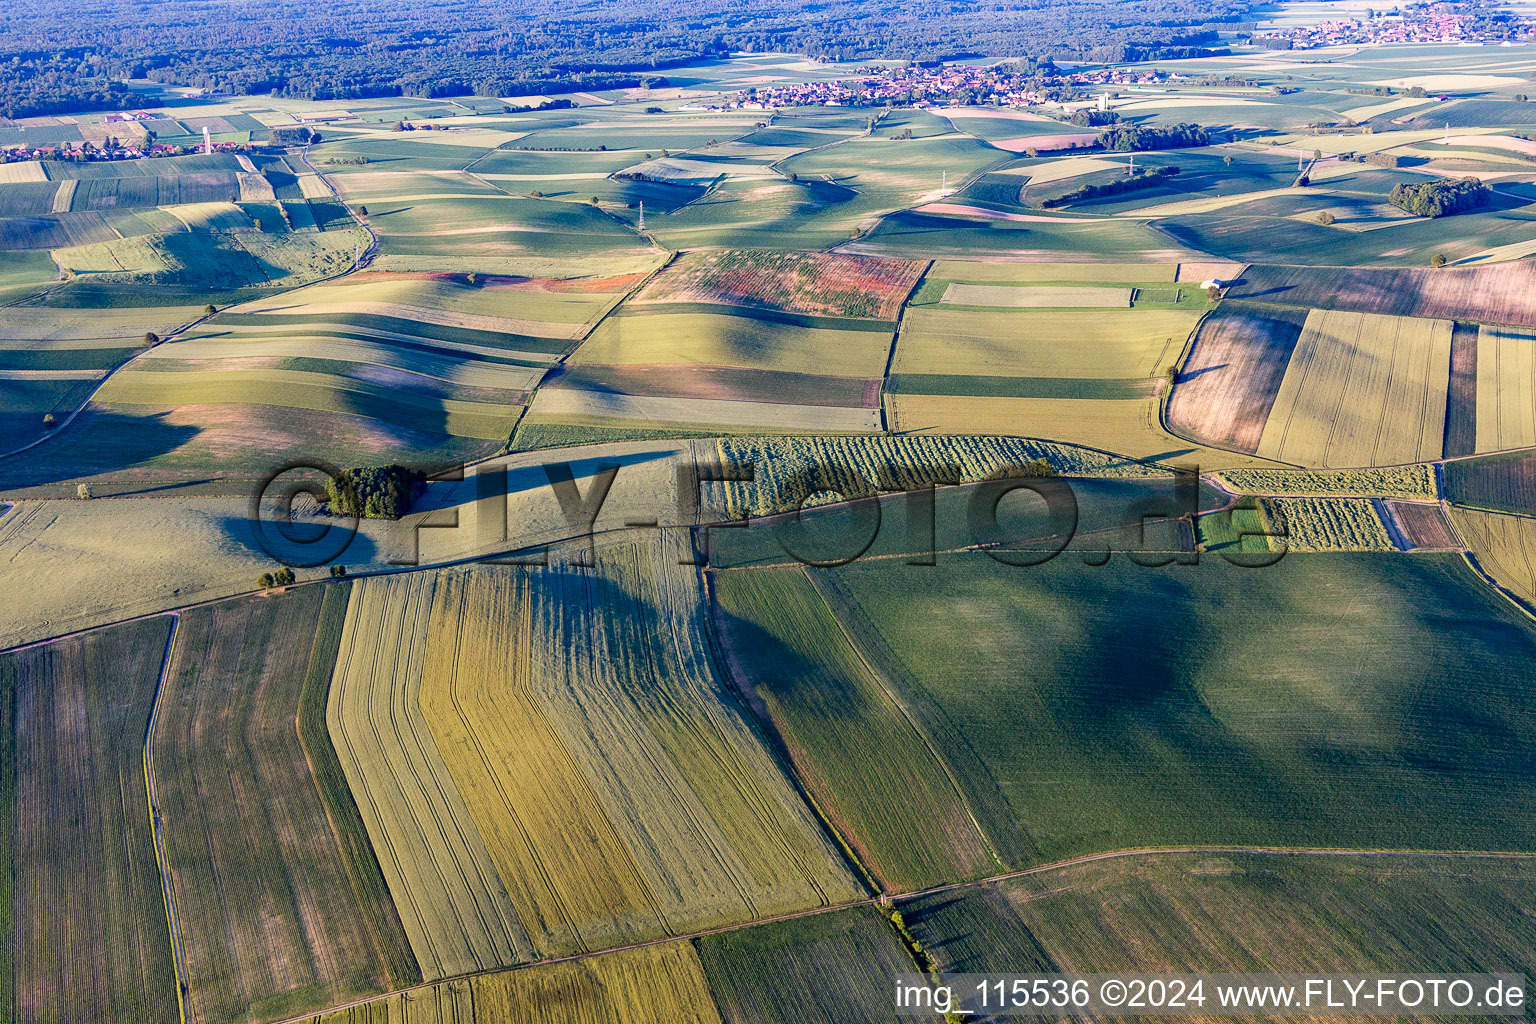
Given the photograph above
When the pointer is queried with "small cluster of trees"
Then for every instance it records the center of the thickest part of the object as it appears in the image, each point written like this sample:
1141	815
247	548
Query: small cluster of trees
377	492
1130	183
1439	198
1090	118
280	578
1127	138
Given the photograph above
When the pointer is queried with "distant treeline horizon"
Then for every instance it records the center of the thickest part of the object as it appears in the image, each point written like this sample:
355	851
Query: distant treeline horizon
50	62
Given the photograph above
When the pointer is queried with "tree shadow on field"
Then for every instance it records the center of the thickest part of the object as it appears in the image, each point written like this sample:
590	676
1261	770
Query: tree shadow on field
98	441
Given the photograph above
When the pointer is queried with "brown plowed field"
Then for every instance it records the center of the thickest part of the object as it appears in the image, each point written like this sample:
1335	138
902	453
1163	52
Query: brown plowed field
1229	383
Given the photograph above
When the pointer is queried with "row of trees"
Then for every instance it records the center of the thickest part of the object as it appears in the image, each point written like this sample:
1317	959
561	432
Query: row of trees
1130	183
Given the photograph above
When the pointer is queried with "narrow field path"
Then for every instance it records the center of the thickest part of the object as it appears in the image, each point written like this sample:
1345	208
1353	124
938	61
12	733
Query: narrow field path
183	996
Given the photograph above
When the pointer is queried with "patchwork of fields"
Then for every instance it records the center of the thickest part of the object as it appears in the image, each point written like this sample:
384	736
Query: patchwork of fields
709	775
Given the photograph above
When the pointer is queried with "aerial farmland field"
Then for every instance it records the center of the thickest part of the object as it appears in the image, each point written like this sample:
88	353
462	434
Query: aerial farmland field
1361	390
634	515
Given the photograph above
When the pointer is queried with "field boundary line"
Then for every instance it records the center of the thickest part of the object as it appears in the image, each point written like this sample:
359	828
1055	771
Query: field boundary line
183	993
875	901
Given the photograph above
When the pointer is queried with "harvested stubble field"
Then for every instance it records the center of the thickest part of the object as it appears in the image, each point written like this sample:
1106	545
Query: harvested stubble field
1389	482
1498	293
1240	912
1504	545
281	906
1086	757
455	910
556	703
1227	385
820	284
1506	389
828	969
86	924
1326	524
1113	344
655	985
1024	296
1362	390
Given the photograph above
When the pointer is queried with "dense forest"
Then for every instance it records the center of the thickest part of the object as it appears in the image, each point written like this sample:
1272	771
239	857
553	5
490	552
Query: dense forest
352	48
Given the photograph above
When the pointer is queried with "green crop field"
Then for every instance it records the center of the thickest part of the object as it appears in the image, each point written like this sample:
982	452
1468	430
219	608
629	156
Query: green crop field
735	339
989	566
303	928
1362	390
829	969
821	697
86	922
1502	482
1253	742
1112	344
1213	912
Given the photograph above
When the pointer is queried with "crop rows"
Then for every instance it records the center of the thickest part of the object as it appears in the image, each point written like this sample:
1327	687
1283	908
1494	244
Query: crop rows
857	466
555	703
1362	390
838	722
1416	481
654	985
1506	388
451	902
273	921
1326	524
86	928
1504	545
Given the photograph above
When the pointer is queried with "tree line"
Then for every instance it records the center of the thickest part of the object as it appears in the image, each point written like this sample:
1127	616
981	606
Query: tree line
355	49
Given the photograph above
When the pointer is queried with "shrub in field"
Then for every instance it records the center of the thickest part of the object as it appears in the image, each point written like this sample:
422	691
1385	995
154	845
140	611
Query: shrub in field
381	492
151	338
83	492
48	420
338	572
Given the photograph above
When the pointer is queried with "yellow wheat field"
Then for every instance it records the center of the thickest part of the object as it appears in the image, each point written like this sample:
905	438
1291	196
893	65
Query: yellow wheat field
656	985
620	792
1362	389
1506	388
1504	545
451	901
